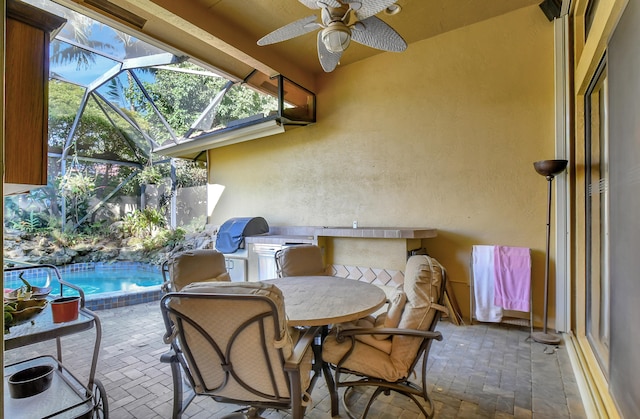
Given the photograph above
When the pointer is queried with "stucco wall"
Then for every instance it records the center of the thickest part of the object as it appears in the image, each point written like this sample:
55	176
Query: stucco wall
442	135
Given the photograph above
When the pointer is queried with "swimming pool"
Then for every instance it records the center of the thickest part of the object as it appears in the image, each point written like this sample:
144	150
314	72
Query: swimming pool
105	285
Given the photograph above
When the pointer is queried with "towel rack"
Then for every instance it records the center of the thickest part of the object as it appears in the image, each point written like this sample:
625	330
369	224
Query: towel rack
509	317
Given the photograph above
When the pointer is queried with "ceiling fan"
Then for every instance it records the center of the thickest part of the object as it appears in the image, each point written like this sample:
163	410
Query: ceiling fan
342	21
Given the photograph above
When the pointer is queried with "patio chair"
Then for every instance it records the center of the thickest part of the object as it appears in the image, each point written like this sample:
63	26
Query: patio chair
301	260
383	357
232	343
193	266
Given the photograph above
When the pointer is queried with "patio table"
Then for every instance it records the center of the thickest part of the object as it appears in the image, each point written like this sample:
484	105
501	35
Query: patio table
326	300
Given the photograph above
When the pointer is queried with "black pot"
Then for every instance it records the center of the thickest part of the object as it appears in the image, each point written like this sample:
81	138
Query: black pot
30	381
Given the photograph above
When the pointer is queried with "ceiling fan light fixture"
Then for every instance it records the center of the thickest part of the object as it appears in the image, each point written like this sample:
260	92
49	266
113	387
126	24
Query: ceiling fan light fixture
336	37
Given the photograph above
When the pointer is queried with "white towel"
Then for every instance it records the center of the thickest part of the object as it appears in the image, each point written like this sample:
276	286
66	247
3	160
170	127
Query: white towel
484	278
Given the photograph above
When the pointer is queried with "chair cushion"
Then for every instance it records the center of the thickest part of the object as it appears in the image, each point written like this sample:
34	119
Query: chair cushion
288	341
223	277
196	266
422	285
394	313
301	260
423	282
365	358
389	318
383	343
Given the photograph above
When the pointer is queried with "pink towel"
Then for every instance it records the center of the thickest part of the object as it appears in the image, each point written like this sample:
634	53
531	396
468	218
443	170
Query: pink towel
512	278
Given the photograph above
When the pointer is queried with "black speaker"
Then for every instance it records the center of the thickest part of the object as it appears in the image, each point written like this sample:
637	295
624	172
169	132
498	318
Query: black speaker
551	8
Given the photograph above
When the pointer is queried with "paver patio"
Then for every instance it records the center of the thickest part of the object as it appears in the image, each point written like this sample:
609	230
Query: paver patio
479	371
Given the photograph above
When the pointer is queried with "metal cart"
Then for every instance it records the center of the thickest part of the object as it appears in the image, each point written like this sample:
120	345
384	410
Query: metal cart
67	397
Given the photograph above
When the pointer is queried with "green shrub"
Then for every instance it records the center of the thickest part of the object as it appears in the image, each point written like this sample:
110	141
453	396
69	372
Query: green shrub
150	175
164	238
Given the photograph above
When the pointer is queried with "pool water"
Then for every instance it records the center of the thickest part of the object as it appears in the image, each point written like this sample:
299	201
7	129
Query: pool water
103	281
94	281
105	285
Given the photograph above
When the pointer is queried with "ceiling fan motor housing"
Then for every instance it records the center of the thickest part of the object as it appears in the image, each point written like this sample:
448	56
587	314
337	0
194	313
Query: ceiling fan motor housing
336	37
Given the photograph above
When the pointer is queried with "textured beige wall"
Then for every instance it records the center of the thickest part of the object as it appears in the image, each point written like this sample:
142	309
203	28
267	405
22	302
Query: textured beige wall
443	135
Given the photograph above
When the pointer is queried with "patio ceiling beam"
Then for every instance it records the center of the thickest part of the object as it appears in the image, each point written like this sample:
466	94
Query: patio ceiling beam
105	77
86	47
152	61
102	161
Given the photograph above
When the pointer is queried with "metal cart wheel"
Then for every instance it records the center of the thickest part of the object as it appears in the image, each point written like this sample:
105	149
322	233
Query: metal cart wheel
100	402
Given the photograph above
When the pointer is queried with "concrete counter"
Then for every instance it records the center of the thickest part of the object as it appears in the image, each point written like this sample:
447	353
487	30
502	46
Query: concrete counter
310	234
379	232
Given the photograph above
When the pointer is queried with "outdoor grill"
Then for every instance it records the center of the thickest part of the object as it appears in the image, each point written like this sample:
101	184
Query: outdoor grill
230	242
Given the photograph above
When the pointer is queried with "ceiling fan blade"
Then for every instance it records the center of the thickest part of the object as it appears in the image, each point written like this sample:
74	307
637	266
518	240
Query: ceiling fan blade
293	29
374	33
318	4
366	8
328	60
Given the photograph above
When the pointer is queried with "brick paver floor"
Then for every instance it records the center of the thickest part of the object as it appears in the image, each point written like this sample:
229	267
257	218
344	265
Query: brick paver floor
479	371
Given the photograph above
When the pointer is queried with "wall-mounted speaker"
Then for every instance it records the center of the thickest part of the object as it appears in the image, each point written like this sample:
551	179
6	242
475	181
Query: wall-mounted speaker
551	8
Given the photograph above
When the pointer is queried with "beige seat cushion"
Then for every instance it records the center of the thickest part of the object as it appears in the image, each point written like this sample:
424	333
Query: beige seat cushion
389	318
197	266
301	260
423	282
223	277
394	313
422	286
287	343
383	343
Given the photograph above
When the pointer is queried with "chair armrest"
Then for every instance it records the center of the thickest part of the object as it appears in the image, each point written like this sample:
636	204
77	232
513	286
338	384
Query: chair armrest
169	357
342	333
166	280
300	348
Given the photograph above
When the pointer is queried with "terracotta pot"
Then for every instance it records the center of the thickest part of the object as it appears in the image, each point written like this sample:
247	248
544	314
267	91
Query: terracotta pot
65	309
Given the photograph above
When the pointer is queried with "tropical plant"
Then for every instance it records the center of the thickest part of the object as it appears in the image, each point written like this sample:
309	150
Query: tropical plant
31	224
77	189
164	238
150	175
30	213
190	173
143	223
